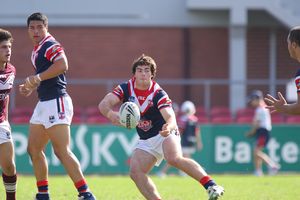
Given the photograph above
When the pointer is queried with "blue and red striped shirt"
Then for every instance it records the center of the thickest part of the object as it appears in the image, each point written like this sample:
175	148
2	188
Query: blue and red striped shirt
149	102
42	57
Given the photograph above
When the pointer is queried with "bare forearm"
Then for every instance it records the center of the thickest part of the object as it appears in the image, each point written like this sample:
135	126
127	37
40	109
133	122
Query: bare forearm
59	67
105	108
292	109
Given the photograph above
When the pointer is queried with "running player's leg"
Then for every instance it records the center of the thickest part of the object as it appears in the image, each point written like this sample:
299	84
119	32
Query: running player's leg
257	161
173	155
8	169
263	157
37	141
60	139
141	163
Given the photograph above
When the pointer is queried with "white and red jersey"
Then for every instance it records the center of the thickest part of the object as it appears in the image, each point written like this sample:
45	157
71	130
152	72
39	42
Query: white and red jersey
149	102
7	77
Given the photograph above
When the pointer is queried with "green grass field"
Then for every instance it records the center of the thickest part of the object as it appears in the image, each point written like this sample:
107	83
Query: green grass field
237	187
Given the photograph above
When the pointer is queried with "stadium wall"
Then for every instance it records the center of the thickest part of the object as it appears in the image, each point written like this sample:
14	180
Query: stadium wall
105	52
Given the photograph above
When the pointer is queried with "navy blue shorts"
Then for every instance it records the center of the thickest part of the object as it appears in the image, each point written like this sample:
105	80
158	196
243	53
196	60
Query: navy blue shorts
262	137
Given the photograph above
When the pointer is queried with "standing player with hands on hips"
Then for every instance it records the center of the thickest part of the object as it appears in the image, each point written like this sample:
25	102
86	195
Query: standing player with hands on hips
53	113
7	74
157	129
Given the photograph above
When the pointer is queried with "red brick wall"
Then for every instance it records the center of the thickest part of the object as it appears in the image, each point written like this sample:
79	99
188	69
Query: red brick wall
105	52
210	59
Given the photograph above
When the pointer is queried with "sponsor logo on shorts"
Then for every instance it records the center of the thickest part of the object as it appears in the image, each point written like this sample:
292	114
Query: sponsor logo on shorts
8	135
51	119
61	115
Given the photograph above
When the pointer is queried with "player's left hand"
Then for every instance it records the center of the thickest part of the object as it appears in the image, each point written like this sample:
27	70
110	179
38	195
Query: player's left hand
165	130
275	105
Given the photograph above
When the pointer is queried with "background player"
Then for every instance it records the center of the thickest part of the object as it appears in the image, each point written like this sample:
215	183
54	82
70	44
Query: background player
280	104
53	113
261	129
7	76
189	131
157	129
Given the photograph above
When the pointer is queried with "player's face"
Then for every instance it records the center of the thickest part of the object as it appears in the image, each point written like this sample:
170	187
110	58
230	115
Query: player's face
143	75
37	30
5	51
254	103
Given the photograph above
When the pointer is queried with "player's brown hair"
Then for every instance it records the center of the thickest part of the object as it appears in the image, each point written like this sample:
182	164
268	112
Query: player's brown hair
38	17
294	35
5	35
145	60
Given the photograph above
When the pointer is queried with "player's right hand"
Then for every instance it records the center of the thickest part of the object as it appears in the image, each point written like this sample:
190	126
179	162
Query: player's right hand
32	82
114	117
25	91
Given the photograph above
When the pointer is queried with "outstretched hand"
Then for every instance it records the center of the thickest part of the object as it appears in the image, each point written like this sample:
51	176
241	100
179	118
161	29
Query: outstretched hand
275	105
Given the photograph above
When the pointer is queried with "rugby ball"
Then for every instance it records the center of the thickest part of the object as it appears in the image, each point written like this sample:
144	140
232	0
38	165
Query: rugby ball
129	115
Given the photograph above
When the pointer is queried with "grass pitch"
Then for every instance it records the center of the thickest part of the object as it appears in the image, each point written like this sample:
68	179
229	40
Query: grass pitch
237	187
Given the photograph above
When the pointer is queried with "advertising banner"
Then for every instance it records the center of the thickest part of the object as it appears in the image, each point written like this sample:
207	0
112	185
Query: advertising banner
106	149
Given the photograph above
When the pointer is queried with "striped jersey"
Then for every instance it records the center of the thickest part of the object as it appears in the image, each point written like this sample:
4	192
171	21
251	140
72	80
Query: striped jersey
7	77
42	57
149	102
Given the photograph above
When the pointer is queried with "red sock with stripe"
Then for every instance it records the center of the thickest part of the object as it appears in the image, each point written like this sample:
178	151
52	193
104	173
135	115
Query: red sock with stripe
42	186
81	186
206	181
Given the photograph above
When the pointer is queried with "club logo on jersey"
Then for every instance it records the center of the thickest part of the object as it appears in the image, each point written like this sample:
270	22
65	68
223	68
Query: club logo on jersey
3	96
145	125
51	119
54	49
61	115
7	80
131	99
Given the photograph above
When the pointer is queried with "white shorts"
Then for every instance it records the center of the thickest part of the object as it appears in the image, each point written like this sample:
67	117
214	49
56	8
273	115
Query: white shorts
53	112
154	146
5	132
